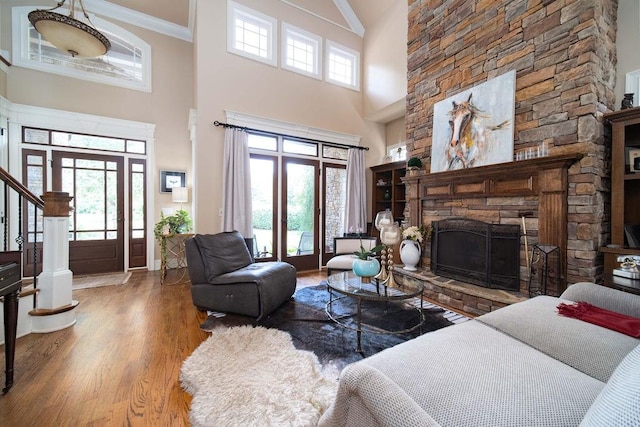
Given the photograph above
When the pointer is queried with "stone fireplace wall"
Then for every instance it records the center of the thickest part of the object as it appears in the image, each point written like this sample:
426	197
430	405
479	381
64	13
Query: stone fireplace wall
564	55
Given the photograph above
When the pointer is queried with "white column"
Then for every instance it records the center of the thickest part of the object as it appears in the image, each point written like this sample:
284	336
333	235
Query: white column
55	309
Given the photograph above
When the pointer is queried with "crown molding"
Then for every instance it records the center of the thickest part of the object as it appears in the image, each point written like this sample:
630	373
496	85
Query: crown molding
71	121
291	129
142	20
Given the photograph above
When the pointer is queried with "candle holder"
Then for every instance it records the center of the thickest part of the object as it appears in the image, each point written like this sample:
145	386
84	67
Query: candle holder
390	235
383	218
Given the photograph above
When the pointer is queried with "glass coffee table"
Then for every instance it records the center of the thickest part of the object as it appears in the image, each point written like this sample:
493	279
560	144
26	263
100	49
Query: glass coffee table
348	285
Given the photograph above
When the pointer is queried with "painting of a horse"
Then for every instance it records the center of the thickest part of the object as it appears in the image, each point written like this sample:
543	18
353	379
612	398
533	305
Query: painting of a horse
475	127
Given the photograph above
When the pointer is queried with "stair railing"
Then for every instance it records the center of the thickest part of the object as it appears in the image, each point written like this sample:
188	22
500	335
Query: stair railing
30	201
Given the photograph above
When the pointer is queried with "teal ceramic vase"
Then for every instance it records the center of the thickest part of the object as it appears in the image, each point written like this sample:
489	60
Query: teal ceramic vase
366	268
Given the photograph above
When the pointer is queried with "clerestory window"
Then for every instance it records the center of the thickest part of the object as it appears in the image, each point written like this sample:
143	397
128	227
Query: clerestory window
301	51
343	65
127	64
251	34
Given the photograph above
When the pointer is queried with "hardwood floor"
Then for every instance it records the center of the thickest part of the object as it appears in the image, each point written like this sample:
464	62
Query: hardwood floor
118	365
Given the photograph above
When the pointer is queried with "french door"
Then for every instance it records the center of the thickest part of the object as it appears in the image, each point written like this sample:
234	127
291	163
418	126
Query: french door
300	213
286	216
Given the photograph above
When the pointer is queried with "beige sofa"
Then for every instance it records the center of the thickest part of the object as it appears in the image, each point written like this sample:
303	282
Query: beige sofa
522	365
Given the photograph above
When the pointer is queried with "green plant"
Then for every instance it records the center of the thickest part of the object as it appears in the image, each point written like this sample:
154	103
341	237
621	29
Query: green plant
364	254
173	224
414	162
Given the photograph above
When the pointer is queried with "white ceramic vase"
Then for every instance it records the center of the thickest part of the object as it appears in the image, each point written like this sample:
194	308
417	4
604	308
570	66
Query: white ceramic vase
410	252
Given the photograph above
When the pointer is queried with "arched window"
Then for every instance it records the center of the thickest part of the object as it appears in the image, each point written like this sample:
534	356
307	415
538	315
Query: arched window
127	64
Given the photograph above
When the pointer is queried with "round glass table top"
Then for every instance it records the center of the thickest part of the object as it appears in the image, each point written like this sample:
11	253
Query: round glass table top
348	283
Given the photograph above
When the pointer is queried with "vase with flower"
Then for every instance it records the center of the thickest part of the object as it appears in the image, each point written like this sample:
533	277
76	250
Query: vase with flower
411	246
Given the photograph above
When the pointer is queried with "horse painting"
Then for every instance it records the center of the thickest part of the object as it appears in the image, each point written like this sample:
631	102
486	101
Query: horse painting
475	127
469	136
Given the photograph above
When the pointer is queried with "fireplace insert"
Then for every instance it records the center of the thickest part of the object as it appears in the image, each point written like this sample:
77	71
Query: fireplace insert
477	252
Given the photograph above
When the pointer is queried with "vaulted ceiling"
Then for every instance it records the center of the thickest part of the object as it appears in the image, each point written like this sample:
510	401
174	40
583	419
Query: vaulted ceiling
341	12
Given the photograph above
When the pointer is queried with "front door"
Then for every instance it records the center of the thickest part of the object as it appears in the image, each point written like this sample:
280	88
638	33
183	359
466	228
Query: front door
96	231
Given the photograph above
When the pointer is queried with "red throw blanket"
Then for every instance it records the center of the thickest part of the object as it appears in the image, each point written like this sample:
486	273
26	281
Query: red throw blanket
599	316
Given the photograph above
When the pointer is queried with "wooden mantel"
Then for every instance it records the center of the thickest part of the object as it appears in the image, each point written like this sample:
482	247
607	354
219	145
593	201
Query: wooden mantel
544	178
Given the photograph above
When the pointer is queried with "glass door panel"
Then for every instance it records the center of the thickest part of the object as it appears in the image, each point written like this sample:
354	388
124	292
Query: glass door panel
137	213
263	191
335	196
300	213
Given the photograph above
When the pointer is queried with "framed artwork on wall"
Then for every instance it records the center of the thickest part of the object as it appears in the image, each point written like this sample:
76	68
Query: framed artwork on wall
170	179
475	127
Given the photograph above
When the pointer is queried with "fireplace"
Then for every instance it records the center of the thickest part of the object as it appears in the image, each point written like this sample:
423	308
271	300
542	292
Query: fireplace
477	252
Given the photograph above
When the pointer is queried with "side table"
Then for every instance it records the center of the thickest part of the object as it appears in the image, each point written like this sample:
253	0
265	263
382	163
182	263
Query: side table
622	283
172	249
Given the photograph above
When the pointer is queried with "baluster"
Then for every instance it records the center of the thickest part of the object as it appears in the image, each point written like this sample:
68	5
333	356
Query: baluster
4	217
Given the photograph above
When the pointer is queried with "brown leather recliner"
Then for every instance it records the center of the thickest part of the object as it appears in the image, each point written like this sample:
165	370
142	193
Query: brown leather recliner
224	276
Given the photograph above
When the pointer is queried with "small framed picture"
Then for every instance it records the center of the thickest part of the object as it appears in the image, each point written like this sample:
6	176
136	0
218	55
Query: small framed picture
170	179
634	160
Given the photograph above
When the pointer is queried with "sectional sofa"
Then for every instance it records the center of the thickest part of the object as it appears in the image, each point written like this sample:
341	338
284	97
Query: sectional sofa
522	365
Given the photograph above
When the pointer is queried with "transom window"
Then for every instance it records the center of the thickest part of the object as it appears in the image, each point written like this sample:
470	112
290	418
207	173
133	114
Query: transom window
343	65
127	64
77	140
301	51
289	145
250	33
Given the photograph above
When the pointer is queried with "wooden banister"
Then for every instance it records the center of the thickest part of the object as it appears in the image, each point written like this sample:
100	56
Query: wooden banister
21	189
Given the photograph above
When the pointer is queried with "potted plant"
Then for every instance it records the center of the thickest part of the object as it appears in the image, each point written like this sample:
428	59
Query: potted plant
178	223
365	265
414	164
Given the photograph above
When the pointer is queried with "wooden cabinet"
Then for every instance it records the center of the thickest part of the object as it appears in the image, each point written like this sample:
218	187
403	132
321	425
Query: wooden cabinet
389	190
625	185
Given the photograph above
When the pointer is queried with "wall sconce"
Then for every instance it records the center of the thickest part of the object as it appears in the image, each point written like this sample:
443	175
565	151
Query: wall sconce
180	195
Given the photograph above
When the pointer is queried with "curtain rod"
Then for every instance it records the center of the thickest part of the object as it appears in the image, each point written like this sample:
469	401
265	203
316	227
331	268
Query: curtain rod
333	144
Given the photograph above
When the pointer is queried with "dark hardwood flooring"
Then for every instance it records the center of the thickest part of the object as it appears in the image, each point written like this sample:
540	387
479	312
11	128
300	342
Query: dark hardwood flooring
118	365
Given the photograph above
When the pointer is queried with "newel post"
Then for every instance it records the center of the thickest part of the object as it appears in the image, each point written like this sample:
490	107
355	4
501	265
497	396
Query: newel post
55	308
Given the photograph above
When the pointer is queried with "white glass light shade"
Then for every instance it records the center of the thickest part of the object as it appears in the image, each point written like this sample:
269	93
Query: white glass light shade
68	34
390	234
383	218
180	194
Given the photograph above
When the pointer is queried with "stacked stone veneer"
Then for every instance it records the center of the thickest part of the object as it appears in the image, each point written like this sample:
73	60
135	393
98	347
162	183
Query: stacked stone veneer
564	55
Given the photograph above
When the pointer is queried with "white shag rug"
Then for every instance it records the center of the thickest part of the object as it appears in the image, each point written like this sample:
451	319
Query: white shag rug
254	376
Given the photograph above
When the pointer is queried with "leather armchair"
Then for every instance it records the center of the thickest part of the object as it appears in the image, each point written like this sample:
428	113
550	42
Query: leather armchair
224	276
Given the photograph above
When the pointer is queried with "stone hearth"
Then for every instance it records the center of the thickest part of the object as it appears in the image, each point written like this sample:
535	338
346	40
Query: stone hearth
459	296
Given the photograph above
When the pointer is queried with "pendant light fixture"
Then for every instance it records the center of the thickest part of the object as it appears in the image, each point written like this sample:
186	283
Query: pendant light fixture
68	34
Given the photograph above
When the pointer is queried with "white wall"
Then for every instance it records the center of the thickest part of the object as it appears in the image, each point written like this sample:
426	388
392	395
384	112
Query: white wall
226	81
385	65
627	42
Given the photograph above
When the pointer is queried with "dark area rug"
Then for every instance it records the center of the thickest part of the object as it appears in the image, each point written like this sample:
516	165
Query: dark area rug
304	318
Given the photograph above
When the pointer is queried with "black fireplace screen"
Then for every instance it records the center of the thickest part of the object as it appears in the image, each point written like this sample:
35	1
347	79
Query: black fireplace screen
477	252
